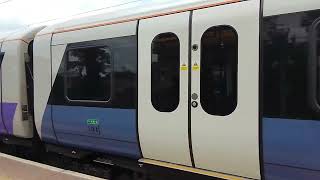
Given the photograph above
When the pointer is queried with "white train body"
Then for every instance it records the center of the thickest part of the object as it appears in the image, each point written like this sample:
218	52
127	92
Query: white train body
16	118
199	86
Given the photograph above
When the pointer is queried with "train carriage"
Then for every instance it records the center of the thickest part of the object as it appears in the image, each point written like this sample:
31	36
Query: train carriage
219	88
16	82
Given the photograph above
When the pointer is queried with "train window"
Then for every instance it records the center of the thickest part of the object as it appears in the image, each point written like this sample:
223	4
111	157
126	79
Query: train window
165	74
218	73
88	74
290	67
318	60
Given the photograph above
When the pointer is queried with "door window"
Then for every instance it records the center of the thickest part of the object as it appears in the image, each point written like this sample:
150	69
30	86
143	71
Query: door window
218	73
165	73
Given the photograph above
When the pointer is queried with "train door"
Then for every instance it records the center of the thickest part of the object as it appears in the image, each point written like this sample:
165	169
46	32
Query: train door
225	89
163	88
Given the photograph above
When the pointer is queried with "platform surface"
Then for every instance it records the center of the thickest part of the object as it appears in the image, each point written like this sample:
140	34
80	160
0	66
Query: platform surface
13	168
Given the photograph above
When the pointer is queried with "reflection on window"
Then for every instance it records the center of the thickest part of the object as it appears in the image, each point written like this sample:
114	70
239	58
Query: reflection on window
289	84
219	61
88	74
165	72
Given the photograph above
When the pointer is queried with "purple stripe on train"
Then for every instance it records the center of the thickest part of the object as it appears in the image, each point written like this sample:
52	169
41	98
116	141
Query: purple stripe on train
6	118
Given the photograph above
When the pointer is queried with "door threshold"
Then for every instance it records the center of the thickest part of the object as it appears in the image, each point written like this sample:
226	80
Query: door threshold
190	169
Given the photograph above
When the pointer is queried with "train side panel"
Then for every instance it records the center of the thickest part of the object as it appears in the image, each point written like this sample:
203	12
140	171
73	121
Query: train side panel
68	112
42	88
291	126
92	103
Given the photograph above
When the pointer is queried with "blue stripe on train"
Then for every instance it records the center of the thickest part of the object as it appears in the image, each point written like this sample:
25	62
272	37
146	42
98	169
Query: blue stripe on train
291	149
47	133
112	130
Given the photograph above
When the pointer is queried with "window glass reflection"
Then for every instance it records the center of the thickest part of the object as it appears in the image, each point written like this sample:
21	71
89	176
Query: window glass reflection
219	66
165	72
89	74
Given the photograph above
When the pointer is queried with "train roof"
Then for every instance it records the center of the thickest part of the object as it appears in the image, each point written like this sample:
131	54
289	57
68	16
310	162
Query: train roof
153	8
3	37
25	34
131	12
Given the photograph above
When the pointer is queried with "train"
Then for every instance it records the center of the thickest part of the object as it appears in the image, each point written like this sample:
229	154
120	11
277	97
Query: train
223	89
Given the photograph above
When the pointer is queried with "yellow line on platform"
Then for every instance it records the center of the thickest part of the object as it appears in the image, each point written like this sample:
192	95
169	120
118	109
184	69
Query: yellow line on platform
191	170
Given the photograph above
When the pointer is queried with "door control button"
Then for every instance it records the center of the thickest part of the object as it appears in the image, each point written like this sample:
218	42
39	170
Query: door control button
194	96
195	47
194	104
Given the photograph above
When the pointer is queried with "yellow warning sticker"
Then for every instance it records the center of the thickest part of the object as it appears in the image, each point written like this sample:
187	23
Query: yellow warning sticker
195	67
184	67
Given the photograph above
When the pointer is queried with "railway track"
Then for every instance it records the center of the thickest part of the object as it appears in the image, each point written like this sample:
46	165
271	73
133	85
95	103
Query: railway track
92	167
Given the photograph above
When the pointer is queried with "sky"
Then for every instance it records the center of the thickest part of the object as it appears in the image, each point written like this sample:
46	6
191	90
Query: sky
17	14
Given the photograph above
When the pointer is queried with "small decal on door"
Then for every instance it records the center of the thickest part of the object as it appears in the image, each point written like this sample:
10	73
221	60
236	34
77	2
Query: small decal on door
195	67
184	67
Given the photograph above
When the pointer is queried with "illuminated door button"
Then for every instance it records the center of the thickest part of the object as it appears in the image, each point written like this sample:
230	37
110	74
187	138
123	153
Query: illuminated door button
194	104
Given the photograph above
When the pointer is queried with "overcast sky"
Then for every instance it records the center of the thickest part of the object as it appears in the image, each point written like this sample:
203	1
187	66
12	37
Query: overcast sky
17	14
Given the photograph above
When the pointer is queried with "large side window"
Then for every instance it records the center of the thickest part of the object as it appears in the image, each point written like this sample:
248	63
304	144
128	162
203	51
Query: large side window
314	67
317	56
165	73
291	62
88	74
98	73
219	67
